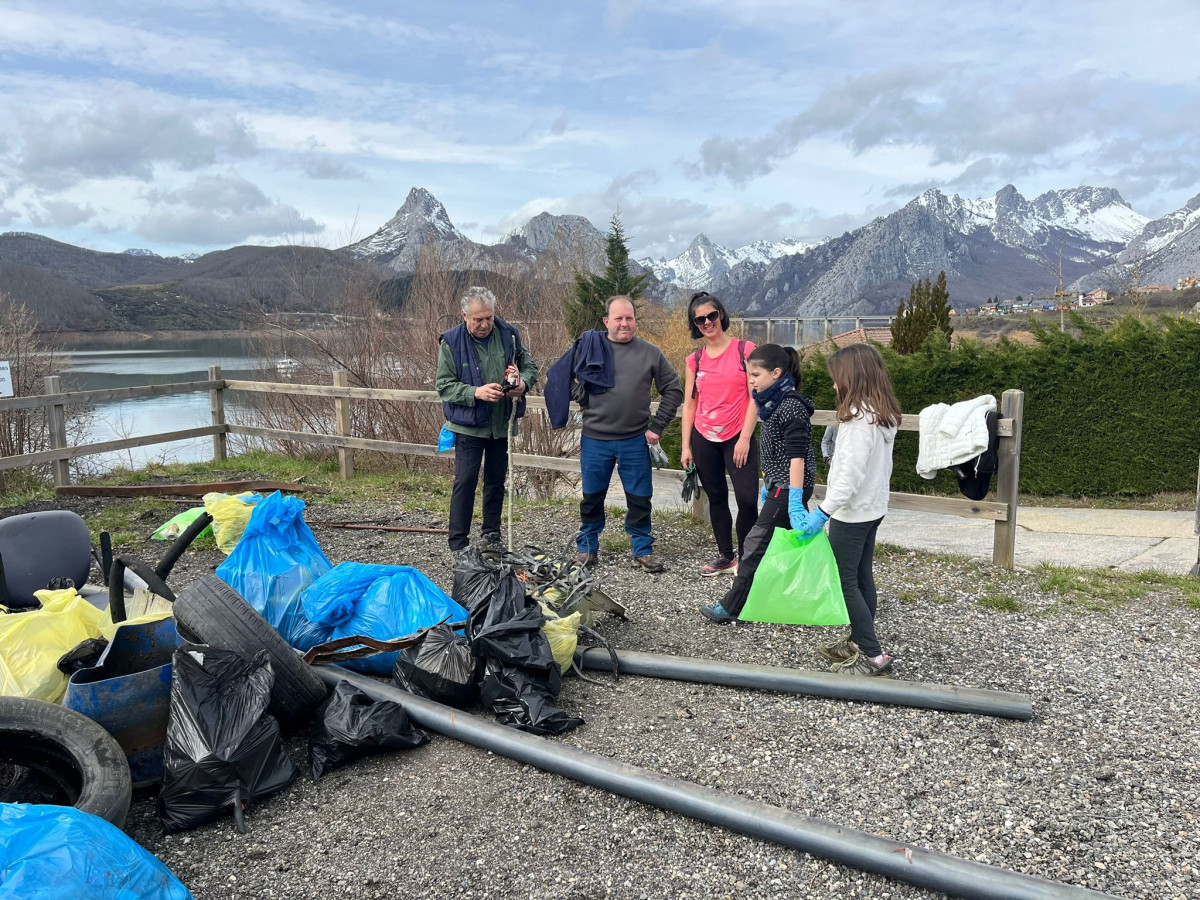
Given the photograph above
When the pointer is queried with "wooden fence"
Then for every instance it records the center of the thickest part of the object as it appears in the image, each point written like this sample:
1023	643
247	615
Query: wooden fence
1002	510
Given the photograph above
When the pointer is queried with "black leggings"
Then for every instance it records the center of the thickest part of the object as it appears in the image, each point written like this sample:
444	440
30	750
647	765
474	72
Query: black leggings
713	460
853	546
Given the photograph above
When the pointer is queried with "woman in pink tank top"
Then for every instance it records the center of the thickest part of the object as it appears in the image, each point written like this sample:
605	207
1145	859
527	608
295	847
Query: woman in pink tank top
718	427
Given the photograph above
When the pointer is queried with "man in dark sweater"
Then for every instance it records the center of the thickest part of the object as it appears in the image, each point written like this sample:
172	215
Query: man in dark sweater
617	430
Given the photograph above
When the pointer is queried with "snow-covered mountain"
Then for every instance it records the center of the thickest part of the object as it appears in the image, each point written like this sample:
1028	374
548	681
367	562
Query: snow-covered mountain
421	220
704	260
1001	245
139	251
1165	250
573	238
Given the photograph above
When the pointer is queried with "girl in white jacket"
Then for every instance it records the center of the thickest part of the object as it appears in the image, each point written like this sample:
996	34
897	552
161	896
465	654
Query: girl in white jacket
856	499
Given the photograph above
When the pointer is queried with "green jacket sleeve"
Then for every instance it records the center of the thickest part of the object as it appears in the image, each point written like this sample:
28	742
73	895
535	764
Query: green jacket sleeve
449	388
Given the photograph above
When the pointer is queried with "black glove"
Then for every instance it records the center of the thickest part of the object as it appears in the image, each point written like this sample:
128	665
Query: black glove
691	485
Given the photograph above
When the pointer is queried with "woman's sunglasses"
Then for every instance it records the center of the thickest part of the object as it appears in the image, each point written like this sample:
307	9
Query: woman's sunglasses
711	317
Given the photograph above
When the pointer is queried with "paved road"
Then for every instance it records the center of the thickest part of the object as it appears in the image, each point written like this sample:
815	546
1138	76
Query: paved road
1128	540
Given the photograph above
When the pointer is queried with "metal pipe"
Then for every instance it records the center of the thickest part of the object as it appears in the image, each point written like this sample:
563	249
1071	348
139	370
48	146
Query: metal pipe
821	838
1005	704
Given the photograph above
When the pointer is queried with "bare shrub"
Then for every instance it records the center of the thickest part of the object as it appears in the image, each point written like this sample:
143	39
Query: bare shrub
381	345
30	360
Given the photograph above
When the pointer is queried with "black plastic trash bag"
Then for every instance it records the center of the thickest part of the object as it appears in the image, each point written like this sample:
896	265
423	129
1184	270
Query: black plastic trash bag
474	579
350	725
521	680
223	751
440	668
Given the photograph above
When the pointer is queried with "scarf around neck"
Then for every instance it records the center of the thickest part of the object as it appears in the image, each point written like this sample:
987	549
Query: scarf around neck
768	401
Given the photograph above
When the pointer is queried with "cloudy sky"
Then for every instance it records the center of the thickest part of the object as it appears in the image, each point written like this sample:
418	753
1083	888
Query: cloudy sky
194	125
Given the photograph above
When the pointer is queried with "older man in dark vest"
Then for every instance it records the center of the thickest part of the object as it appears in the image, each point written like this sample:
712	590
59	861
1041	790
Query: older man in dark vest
483	369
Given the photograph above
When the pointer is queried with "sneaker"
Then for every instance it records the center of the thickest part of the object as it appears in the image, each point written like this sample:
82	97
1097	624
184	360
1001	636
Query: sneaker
838	651
650	563
715	612
858	664
720	566
587	560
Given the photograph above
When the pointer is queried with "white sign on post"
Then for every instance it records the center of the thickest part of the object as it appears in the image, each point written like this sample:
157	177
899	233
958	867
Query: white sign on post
5	380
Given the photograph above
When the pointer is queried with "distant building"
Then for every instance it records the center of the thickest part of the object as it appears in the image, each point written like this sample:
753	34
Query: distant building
1099	295
1186	282
1155	288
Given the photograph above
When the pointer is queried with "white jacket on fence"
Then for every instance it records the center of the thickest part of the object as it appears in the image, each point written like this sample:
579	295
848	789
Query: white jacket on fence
953	434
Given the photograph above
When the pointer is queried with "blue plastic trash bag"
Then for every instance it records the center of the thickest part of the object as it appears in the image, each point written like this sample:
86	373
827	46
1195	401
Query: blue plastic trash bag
275	560
382	602
62	853
446	439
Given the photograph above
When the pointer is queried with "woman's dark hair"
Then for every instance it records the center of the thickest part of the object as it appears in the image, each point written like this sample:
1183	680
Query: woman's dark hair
773	356
699	299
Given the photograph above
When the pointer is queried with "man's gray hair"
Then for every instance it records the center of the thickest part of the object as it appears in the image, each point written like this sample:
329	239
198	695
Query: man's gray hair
480	295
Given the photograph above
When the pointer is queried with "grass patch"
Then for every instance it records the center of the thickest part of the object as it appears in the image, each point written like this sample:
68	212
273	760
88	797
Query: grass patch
132	521
1000	602
1100	590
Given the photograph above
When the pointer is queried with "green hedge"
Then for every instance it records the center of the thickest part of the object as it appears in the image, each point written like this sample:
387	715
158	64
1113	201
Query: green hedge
1107	412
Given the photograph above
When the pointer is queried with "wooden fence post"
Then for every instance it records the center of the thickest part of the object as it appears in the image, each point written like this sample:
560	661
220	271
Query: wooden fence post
216	405
1196	529
341	378
56	416
1008	472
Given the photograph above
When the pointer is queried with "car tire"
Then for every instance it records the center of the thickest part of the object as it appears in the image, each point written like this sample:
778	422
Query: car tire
216	614
67	754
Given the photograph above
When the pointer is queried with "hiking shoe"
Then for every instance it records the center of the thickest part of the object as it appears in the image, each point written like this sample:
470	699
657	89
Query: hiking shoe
858	664
715	612
650	563
491	541
587	560
720	566
838	651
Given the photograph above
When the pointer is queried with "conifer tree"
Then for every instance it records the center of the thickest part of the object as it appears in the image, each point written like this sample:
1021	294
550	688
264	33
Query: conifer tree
928	310
586	310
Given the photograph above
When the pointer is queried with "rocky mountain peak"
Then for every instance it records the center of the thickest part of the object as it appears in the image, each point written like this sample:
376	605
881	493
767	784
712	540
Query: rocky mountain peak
421	220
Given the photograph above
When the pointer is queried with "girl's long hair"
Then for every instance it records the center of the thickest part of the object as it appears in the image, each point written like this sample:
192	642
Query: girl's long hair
863	386
773	356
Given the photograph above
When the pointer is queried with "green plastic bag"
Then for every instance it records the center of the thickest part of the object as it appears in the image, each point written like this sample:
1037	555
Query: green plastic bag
172	529
797	583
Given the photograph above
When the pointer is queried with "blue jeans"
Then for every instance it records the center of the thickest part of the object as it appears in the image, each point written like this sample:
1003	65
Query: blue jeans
632	460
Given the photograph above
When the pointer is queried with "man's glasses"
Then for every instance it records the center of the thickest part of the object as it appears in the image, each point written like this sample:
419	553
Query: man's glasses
711	317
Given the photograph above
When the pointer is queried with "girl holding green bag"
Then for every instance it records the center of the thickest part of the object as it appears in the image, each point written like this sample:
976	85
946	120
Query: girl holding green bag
789	465
856	499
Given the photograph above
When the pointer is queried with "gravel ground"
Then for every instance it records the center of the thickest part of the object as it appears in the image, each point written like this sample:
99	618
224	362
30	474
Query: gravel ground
1101	789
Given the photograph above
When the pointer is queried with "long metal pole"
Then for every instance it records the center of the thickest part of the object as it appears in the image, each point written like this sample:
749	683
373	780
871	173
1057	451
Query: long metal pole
821	838
1004	704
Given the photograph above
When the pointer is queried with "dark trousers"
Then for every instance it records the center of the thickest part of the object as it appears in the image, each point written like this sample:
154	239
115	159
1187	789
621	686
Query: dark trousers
713	460
853	546
469	453
774	514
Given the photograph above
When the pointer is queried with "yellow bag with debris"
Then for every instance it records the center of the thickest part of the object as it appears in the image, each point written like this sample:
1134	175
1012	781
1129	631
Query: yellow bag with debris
31	644
563	635
230	514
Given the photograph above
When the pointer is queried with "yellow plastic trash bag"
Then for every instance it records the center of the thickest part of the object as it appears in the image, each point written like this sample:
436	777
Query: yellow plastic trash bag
31	644
563	635
230	514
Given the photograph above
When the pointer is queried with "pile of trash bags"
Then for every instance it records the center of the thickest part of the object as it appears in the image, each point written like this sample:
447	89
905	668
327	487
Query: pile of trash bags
503	658
496	641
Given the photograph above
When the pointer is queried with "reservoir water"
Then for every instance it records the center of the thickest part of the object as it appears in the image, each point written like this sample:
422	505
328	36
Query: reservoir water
104	364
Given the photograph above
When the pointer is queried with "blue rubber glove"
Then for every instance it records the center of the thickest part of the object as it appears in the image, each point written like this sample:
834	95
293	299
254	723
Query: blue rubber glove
810	524
762	495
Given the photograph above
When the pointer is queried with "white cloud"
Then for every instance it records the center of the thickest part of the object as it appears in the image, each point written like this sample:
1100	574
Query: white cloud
220	209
